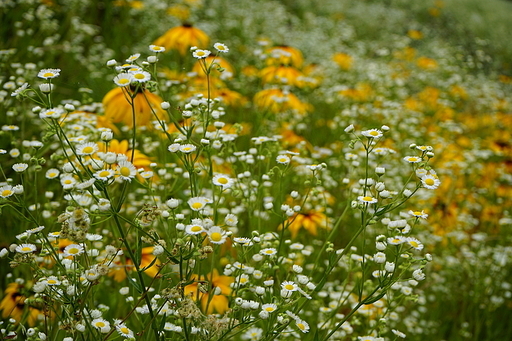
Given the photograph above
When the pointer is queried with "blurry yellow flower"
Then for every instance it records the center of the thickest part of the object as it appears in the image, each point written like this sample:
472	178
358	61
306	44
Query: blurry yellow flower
309	221
344	60
415	34
118	272
183	37
118	109
284	55
281	75
227	73
276	100
210	302
129	3
140	160
179	11
426	63
361	93
13	305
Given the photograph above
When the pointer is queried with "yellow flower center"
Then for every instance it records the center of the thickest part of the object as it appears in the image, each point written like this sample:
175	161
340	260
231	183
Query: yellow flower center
26	249
6	192
124	330
374	133
48	74
289	287
73	251
367	199
139	75
124	81
430	181
412	159
269	252
197	205
67	182
301	326
417	213
413	243
269	309
196	228
222	181
216	236
52	174
52	281
49	113
104	173
125	171
88	150
100	324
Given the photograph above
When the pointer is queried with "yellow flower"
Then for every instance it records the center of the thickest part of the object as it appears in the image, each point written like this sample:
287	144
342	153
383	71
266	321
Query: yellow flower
344	60
426	63
415	34
210	302
13	305
183	37
284	55
277	100
133	4
140	160
118	109
179	11
119	271
281	75
228	72
309	221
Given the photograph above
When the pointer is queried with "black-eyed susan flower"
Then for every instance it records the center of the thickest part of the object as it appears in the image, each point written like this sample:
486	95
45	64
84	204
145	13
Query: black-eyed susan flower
284	55
13	305
217	300
310	221
146	105
183	37
281	74
344	61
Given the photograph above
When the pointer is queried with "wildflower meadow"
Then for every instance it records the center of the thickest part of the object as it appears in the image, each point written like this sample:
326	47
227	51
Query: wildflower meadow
255	170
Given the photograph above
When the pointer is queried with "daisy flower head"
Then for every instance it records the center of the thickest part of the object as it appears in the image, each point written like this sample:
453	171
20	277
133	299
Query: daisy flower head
123	79
156	48
87	148
187	148
126	170
73	250
26	248
268	251
6	191
283	159
217	235
430	181
366	200
372	133
302	325
413	159
133	57
397	240
48	73
55	113
104	174
124	331
198	203
140	76
289	286
101	324
200	54
221	47
19	167
194	229
418	214
222	180
269	307
414	243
